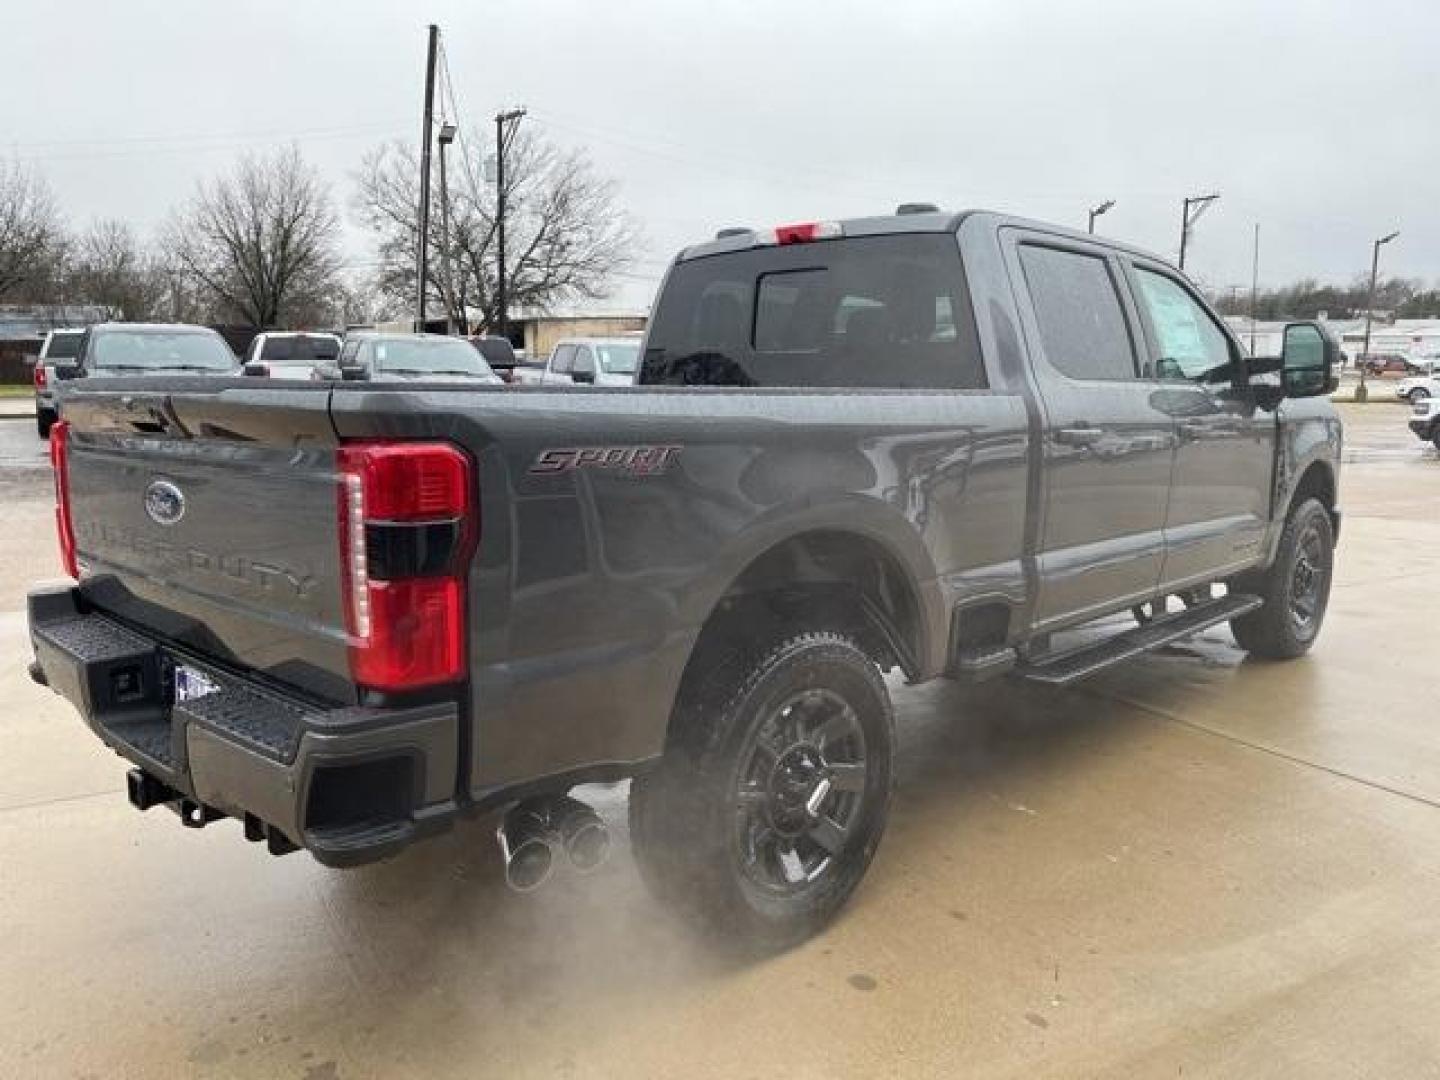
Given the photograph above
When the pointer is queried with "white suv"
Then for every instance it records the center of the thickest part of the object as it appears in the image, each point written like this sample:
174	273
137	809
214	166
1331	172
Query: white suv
1426	384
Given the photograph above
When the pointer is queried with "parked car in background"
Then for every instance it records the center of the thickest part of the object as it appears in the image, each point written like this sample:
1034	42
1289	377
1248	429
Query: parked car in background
1425	418
1381	364
593	361
58	351
499	354
119	349
408	358
290	354
1414	388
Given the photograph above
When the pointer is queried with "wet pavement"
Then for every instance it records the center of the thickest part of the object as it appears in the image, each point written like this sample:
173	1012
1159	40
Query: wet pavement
1192	865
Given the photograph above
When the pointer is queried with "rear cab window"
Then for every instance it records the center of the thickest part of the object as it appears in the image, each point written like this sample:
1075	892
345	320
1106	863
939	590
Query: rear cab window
63	346
873	311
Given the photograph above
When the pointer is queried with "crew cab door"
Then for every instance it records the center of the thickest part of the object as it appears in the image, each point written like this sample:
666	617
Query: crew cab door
1219	503
1107	446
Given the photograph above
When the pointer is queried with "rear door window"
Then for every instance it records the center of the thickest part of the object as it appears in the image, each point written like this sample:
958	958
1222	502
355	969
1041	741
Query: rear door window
563	359
1083	329
883	311
584	360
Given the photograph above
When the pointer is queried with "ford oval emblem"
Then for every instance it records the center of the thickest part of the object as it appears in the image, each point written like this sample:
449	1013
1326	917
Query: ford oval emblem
164	502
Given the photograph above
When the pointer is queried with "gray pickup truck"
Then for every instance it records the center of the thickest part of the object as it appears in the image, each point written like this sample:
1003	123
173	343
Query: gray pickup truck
345	614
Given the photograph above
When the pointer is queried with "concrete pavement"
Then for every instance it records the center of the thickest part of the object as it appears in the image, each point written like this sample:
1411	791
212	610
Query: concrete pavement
1193	865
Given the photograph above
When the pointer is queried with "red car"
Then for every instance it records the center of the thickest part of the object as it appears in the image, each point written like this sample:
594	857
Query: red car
1386	364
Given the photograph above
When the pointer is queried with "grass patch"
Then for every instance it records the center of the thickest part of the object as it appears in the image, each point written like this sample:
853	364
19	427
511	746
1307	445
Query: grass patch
16	391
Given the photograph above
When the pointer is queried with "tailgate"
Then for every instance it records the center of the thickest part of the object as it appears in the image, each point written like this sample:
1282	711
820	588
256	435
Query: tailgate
207	514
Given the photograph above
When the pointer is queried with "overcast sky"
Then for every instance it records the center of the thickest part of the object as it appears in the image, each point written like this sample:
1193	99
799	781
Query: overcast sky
1317	119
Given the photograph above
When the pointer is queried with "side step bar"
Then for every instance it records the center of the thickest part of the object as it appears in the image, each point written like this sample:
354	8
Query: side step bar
1067	667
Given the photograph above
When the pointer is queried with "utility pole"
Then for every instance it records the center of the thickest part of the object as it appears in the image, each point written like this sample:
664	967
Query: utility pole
504	133
429	114
446	137
1254	285
1096	212
1361	392
1201	203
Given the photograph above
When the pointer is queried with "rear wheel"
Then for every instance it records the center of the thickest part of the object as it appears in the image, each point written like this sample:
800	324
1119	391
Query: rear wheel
1295	588
772	796
44	421
1418	394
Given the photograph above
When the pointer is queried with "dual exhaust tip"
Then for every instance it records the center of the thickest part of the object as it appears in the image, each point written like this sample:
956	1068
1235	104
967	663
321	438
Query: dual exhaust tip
537	832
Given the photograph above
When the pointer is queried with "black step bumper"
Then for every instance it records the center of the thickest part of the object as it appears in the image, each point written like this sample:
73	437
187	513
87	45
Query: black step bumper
1425	428
350	784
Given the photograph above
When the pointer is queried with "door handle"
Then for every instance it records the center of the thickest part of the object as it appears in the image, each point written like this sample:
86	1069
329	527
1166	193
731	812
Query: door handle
1079	436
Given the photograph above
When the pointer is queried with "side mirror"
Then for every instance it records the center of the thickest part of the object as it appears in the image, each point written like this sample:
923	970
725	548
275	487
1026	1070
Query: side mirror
1308	360
253	368
587	377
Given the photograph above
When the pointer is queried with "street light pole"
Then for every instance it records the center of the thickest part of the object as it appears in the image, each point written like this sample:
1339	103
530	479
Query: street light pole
1201	203
1361	392
1097	211
504	132
445	138
1254	285
423	253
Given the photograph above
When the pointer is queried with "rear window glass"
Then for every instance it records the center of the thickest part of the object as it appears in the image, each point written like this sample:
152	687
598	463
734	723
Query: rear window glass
63	347
884	311
301	349
171	350
1082	325
497	351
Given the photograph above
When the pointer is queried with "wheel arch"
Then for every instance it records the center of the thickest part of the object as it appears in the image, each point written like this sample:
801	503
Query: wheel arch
843	578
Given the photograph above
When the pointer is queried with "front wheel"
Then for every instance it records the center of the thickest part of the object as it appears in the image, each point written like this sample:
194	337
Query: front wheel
1295	588
771	798
1418	394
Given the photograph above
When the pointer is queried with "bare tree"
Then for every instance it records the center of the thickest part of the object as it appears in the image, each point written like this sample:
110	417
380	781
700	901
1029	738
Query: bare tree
261	242
109	266
566	237
32	236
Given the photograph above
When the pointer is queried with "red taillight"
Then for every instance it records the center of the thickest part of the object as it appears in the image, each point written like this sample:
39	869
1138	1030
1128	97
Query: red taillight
404	600
40	375
64	525
803	233
409	481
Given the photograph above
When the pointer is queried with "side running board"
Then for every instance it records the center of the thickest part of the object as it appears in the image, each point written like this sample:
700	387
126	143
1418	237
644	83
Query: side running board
1067	667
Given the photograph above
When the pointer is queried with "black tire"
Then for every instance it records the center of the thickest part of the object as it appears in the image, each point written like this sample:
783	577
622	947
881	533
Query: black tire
711	837
1296	588
44	421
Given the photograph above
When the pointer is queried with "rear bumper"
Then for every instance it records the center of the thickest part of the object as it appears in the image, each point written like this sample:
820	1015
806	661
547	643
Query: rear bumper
349	784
